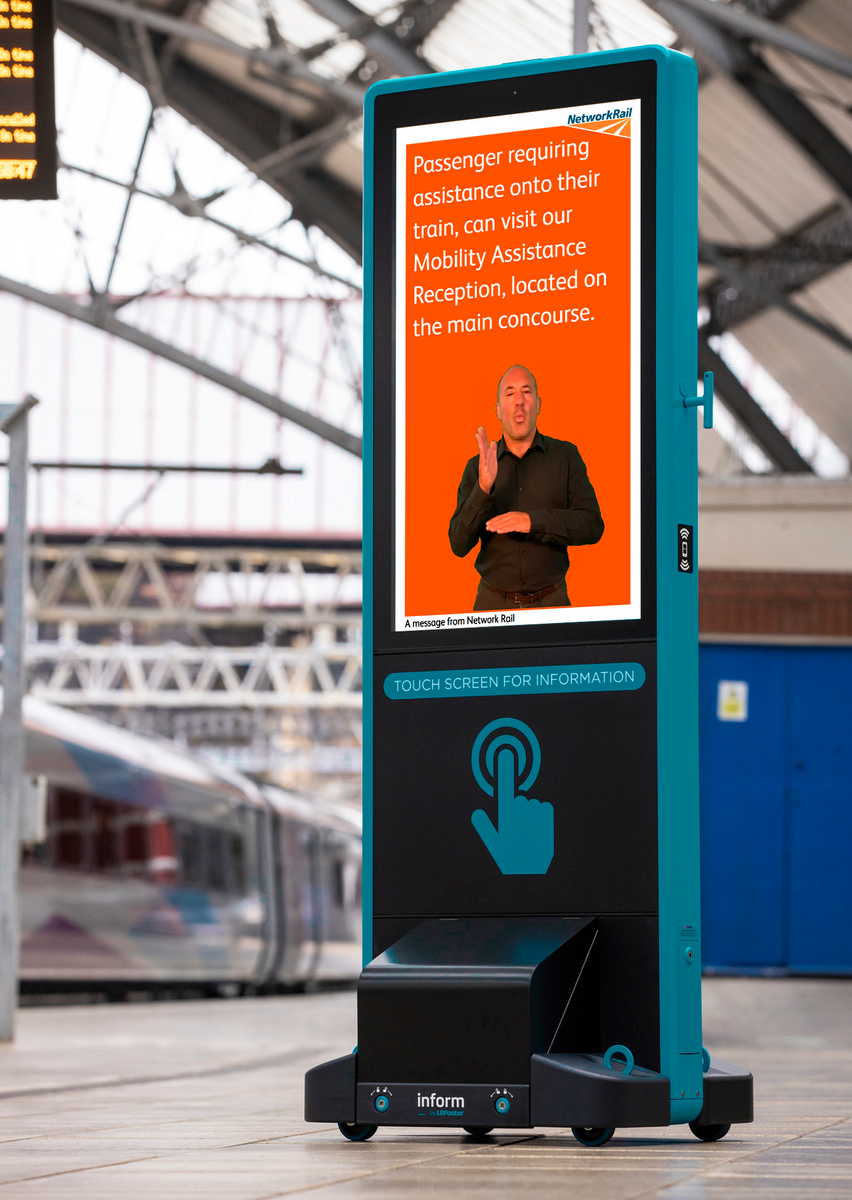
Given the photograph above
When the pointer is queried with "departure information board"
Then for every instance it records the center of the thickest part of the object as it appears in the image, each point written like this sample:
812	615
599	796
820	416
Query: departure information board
27	118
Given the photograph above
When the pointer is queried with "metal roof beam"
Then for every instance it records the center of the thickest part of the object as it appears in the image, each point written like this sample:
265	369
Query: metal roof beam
701	23
787	266
749	26
245	126
773	10
417	19
192	206
709	254
749	413
101	317
79	674
800	121
381	41
276	57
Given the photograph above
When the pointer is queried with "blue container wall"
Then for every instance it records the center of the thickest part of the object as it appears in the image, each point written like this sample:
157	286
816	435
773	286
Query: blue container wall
776	810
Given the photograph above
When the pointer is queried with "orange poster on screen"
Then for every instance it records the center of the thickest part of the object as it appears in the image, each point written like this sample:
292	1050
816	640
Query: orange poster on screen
517	314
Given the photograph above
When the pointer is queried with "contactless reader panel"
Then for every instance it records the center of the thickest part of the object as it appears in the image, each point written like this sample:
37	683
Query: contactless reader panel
531	898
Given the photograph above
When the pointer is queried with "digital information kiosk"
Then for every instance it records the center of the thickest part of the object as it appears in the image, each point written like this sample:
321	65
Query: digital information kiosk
531	887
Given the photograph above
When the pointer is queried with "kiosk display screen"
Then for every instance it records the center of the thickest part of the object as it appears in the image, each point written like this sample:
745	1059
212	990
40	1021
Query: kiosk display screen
517	273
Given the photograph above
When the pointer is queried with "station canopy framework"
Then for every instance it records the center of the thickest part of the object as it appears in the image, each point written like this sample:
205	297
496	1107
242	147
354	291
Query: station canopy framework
193	298
210	219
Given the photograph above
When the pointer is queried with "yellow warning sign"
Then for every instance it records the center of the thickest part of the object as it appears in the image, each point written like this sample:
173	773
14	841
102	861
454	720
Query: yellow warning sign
732	700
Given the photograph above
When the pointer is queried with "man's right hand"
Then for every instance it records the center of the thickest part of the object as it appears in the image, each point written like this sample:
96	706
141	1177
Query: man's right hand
487	460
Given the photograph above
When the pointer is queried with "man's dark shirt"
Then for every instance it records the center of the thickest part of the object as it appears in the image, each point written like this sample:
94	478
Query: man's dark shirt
550	483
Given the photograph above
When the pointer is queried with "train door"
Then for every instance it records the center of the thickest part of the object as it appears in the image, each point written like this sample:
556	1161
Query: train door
299	910
341	906
314	844
270	870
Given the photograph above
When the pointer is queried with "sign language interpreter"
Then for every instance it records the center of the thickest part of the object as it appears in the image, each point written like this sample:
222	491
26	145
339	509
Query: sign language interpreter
525	499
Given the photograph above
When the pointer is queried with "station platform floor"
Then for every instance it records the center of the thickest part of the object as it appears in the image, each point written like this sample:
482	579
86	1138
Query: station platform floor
202	1100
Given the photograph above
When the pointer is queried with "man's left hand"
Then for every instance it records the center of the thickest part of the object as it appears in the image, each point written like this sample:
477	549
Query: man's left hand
510	522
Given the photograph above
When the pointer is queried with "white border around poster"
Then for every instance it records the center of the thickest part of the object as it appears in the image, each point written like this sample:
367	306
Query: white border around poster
511	123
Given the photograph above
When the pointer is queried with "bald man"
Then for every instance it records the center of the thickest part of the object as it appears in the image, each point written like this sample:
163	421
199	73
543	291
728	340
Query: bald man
526	499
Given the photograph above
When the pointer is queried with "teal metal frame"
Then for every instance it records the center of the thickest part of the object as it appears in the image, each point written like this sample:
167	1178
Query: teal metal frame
677	503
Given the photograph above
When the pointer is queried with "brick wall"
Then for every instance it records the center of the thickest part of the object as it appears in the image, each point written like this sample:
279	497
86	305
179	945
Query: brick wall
787	603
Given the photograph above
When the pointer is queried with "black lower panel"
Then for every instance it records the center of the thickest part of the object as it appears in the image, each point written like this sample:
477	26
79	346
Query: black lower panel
622	974
577	1089
499	1105
564	1089
728	1095
629	997
330	1090
470	999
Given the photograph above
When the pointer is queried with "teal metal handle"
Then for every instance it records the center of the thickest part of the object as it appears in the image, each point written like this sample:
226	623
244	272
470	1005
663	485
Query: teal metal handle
705	401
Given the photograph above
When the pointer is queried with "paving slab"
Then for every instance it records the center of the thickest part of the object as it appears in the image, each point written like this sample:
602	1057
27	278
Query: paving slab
202	1100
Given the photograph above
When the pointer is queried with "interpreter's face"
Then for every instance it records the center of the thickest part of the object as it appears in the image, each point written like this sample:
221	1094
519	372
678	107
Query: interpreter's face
518	405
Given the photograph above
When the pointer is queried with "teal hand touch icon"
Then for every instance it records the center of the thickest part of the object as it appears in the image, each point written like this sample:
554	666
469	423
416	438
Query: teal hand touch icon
522	842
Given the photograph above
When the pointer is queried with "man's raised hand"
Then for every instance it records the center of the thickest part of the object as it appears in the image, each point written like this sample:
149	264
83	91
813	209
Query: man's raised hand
487	460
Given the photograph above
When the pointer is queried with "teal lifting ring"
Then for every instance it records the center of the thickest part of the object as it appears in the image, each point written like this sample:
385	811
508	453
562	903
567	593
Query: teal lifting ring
705	1060
623	1052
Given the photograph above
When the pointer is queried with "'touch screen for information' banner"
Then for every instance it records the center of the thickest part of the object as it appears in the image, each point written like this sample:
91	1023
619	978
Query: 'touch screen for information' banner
518	244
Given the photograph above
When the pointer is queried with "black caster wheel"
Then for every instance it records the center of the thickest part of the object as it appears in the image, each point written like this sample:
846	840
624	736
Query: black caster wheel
478	1131
356	1133
590	1135
709	1133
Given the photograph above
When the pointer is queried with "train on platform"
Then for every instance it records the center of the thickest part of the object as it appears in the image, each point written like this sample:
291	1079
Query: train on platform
145	867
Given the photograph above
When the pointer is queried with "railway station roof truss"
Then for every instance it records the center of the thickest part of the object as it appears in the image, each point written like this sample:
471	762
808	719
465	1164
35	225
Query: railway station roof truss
264	590
153	215
78	674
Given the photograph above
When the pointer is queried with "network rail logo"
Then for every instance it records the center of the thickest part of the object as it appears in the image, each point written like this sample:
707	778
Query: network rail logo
611	114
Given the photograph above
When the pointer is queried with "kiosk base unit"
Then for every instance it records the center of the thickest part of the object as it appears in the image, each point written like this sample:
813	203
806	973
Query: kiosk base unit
494	1023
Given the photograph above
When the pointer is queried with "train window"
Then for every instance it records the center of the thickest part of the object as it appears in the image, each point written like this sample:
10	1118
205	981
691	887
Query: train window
238	866
190	854
135	842
339	884
66	828
105	846
210	858
93	833
215	860
346	883
163	861
67	805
